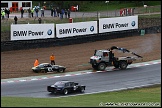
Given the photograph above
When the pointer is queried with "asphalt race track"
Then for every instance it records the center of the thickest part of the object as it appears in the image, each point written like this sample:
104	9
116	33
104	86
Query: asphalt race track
96	82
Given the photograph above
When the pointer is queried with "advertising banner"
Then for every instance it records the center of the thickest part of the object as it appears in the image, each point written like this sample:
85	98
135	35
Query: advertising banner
32	31
74	29
118	24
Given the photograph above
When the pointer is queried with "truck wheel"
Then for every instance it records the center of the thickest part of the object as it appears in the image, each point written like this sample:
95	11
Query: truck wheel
116	64
94	67
123	64
101	66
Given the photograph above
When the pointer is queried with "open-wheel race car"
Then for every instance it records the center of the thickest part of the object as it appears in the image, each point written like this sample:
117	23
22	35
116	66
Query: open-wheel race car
65	87
47	67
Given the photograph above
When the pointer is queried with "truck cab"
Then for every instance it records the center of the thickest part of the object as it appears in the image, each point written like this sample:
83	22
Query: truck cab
101	57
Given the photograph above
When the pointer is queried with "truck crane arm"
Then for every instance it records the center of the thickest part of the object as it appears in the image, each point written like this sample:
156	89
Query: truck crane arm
125	50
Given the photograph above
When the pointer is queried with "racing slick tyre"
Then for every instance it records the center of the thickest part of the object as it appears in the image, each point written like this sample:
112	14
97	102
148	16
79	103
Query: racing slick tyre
101	66
61	70
54	91
43	71
65	91
123	64
36	71
82	89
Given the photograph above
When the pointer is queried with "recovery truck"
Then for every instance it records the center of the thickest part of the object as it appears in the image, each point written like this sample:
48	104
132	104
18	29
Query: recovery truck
103	58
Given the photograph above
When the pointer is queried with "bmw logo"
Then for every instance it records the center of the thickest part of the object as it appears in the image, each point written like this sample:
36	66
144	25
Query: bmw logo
133	23
49	32
92	28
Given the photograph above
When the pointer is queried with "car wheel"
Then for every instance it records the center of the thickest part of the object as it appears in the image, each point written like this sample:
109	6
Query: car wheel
82	89
61	70
54	91
43	71
65	92
35	71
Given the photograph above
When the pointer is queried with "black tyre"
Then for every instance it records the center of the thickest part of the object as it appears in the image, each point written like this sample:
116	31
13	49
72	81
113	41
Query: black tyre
123	64
65	91
36	71
82	89
101	66
42	71
94	67
61	70
54	91
116	64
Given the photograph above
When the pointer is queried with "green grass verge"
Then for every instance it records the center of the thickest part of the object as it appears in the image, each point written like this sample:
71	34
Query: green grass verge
99	5
150	16
150	95
102	6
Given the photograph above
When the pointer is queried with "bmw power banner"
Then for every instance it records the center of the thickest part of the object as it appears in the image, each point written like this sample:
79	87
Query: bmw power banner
32	31
74	29
118	23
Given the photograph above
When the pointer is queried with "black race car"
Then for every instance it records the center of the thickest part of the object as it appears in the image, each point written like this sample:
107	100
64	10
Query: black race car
47	67
65	87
